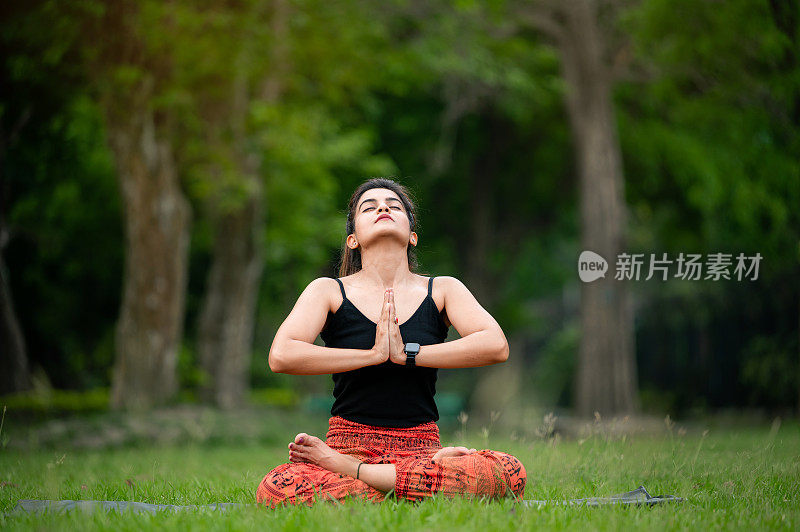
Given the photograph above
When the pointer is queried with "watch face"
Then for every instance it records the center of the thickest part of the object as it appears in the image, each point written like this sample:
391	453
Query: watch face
412	348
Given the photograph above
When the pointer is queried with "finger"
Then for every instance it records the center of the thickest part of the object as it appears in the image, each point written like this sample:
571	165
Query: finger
385	307
300	438
392	309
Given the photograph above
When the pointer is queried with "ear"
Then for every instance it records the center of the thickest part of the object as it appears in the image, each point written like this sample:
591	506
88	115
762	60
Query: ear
413	238
351	241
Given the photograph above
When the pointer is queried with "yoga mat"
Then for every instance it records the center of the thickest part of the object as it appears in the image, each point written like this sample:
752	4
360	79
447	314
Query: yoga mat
639	496
40	506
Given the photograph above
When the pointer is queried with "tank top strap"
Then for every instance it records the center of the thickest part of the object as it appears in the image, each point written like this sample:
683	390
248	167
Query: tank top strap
430	286
341	287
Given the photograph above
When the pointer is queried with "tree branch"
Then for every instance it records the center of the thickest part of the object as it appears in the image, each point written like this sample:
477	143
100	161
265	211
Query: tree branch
542	17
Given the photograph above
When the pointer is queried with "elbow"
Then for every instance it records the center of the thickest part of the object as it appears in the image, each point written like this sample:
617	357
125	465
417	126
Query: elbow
501	353
276	363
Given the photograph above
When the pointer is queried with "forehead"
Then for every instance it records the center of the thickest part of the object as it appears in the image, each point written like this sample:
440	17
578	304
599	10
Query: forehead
378	194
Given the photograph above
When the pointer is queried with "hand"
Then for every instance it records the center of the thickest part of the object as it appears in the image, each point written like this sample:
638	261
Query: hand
396	344
382	333
446	452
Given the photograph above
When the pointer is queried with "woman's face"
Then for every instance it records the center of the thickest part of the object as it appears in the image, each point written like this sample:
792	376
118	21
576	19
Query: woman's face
380	214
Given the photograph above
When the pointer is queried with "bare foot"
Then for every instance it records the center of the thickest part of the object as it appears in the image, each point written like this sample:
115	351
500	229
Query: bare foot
312	450
445	452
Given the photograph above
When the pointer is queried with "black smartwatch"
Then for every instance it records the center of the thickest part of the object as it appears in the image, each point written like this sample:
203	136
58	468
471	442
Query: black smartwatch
411	350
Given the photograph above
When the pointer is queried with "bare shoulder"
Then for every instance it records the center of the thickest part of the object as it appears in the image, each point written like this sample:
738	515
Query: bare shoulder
448	285
323	284
322	290
444	287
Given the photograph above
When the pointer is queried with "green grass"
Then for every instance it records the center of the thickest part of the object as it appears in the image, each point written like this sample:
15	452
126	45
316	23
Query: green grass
733	478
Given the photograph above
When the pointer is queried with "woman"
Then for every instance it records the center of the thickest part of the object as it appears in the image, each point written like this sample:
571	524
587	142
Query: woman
383	348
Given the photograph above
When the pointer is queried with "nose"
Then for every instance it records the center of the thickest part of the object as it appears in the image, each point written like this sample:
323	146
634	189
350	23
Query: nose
383	207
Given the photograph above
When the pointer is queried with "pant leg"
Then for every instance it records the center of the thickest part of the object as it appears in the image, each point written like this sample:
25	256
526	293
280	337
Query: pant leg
485	473
295	483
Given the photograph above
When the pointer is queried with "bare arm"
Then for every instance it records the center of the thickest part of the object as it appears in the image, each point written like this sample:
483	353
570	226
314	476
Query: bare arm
293	350
482	340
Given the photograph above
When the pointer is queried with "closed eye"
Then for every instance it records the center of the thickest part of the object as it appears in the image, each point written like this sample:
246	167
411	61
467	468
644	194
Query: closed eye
392	207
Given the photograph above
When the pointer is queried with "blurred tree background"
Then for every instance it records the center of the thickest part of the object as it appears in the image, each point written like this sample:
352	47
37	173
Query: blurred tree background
179	171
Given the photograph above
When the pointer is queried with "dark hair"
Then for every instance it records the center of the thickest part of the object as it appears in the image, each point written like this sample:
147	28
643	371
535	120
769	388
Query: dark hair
350	261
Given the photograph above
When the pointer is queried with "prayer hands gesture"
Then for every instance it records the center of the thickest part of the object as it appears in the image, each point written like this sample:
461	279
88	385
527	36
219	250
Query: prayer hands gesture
388	340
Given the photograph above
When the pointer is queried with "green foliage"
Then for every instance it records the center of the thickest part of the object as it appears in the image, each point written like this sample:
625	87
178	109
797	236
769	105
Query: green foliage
709	141
67	252
281	397
770	370
448	97
50	402
712	135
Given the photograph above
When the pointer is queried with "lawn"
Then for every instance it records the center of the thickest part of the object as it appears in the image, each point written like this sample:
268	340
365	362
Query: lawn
734	477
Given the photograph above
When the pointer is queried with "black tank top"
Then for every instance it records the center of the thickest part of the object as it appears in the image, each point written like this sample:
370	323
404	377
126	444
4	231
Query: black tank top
386	394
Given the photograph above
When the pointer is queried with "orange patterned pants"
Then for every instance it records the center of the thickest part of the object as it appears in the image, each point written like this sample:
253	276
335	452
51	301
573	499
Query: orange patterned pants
484	473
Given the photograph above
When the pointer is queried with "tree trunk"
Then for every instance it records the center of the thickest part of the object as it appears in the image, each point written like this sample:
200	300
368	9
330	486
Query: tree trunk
478	247
495	386
500	386
15	376
606	379
227	317
482	216
786	15
157	219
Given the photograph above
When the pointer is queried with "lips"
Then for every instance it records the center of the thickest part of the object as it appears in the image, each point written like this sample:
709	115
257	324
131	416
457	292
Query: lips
384	216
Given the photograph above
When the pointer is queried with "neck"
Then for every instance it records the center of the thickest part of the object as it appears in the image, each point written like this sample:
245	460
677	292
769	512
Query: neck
385	264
